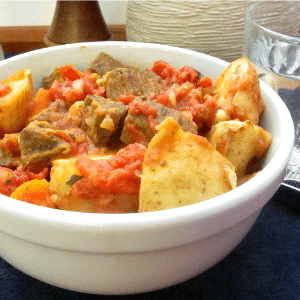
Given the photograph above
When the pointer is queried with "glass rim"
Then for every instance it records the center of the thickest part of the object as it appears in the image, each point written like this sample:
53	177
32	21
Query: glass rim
276	34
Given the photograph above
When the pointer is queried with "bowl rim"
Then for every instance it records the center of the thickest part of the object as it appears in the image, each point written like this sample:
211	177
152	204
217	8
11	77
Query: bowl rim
137	222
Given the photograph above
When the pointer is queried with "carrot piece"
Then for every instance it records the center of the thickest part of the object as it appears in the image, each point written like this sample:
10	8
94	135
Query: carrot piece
34	191
40	102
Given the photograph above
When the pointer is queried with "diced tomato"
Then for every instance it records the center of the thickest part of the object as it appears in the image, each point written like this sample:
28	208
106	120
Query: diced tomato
90	85
171	75
146	109
142	108
165	71
129	156
126	99
185	96
87	166
159	66
69	72
163	98
136	135
118	174
10	180
204	82
191	99
4	89
205	113
77	89
186	74
74	91
124	181
56	91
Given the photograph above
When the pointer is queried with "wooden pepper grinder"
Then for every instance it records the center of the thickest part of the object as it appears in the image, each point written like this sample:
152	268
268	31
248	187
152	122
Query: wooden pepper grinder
75	22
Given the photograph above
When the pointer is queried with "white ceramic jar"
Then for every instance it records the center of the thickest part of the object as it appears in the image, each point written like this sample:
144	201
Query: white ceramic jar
212	27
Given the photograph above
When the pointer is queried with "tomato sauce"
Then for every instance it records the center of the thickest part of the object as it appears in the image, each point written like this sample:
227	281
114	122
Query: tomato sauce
146	109
171	75
72	90
188	98
68	72
118	174
136	135
10	180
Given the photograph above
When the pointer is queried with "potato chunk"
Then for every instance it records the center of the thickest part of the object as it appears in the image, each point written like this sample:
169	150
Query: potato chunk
64	175
240	142
181	168
14	105
239	92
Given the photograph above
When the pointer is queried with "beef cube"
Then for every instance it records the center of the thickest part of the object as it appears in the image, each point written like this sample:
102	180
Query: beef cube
144	115
128	81
55	112
105	119
47	81
38	142
10	151
7	159
104	63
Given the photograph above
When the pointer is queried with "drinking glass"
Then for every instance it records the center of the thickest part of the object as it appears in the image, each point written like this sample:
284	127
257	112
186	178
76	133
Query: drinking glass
272	44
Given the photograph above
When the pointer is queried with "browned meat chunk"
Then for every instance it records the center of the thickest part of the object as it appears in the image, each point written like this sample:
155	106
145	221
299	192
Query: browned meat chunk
104	63
54	113
143	116
7	159
10	151
123	81
105	119
38	142
47	81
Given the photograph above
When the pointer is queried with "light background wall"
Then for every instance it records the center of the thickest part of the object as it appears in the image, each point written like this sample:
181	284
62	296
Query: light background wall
40	13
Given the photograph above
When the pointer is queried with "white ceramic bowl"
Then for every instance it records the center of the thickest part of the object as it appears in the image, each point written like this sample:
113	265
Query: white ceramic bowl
133	253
